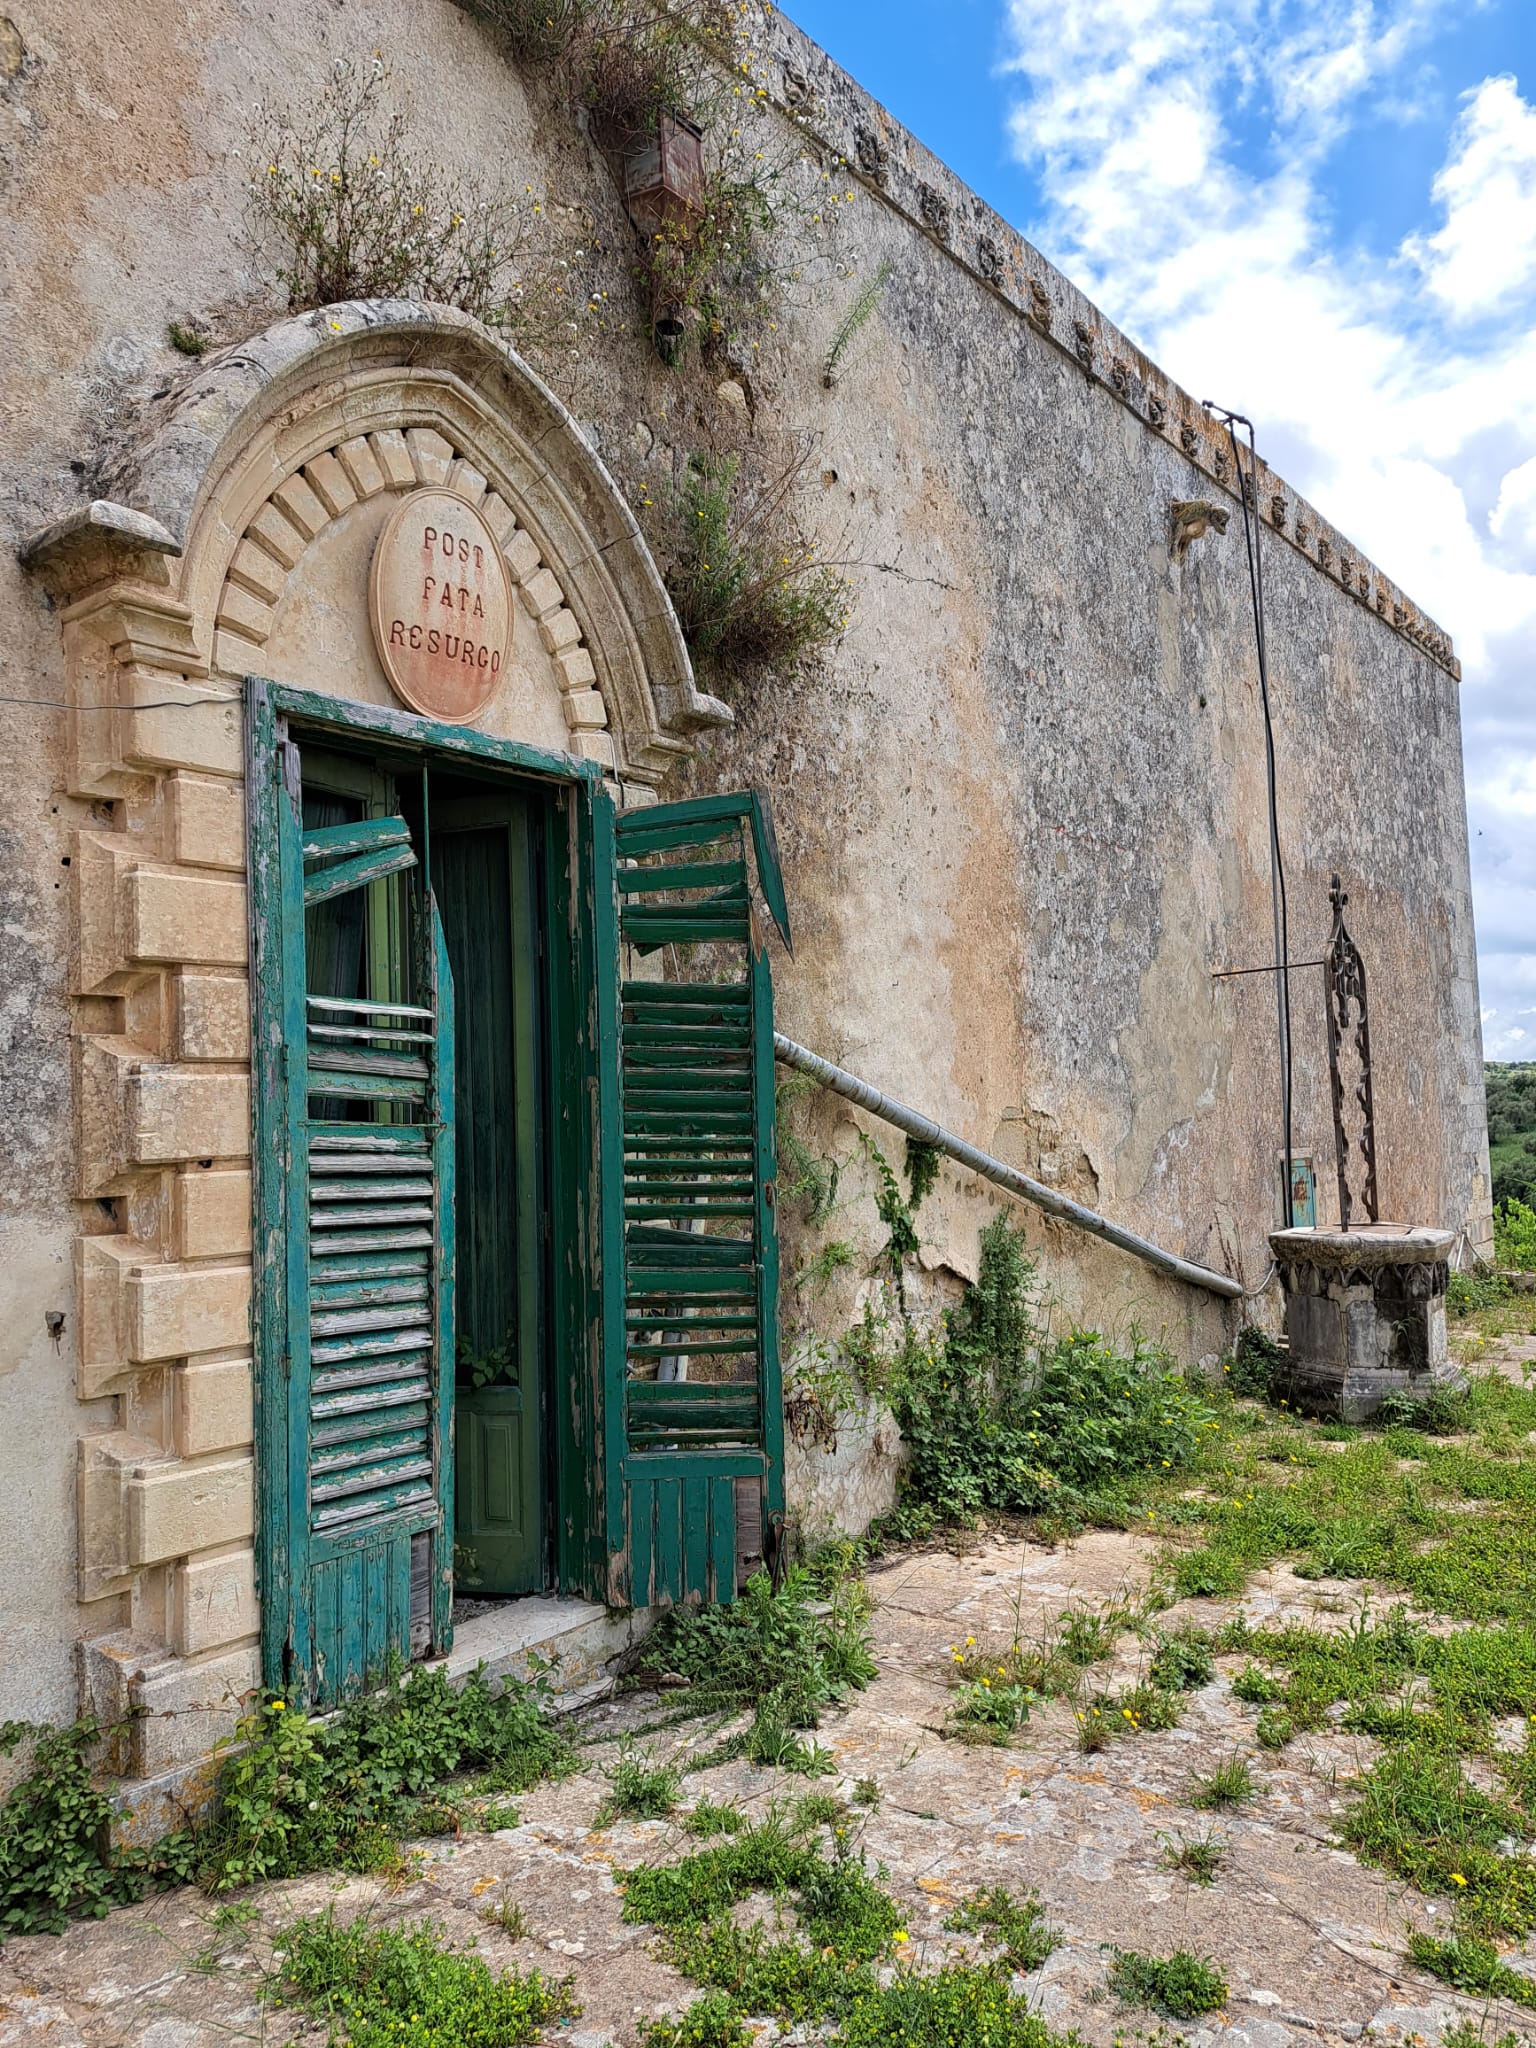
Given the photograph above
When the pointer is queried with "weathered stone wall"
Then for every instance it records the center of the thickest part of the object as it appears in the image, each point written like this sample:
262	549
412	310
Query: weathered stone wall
1021	806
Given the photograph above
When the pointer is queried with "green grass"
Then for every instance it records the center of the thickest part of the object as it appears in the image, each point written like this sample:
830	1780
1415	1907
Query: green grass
1467	1964
1198	1858
1230	1784
708	1818
778	1653
1182	1661
639	1788
406	1987
955	2007
710	2022
1018	1926
1181	1986
509	1918
1386	1506
843	1919
1465	2035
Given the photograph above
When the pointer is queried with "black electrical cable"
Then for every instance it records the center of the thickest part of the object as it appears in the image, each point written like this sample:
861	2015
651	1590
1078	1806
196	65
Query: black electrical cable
1247	491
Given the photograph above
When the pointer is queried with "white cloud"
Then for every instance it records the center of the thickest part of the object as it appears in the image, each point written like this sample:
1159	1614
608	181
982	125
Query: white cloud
1180	151
1512	521
1485	254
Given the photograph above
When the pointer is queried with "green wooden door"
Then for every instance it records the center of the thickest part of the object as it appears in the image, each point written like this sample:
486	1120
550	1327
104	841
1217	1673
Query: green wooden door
694	1406
355	1136
485	874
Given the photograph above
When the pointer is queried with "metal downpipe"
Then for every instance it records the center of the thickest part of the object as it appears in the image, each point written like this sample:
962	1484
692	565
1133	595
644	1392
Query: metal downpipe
852	1089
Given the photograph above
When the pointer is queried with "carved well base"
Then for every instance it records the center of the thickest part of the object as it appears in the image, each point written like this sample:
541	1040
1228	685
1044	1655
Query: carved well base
1365	1316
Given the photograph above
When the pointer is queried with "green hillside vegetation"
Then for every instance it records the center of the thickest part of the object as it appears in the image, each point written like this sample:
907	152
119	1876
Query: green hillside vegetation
1512	1129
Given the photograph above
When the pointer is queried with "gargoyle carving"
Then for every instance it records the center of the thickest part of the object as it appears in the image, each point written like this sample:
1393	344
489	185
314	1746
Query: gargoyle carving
1192	518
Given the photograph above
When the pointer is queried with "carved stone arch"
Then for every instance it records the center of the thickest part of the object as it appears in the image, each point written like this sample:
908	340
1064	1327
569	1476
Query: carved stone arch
279	438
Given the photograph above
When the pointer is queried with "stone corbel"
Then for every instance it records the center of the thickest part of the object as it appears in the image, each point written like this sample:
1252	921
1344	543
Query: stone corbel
101	543
138	1310
109	570
105	1464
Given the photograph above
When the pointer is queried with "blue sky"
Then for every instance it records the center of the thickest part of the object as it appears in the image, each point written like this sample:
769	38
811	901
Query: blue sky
1325	212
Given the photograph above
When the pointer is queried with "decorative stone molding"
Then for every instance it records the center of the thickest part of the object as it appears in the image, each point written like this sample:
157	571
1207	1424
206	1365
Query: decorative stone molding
166	594
387	460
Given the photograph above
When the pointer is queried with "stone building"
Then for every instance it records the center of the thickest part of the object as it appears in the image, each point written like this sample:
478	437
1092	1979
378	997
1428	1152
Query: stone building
1020	819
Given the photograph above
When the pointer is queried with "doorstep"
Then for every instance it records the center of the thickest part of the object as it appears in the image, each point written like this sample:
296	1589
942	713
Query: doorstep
579	1639
574	1643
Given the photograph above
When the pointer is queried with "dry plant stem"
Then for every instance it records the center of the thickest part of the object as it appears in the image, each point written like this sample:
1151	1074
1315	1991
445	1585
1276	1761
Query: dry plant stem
344	206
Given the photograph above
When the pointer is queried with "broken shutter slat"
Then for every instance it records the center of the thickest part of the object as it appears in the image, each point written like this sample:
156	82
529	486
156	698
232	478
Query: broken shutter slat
356	873
718	874
359	835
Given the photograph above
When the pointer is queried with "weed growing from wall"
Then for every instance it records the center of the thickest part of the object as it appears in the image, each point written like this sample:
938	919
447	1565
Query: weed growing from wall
344	204
745	574
861	310
300	1794
806	1178
712	277
55	1863
997	1419
622	62
1257	1364
294	1794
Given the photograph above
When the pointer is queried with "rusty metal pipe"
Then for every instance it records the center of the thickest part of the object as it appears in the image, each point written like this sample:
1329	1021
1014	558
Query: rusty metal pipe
852	1089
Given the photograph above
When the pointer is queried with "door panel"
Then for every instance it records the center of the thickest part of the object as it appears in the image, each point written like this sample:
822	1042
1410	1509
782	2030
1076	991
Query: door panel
484	867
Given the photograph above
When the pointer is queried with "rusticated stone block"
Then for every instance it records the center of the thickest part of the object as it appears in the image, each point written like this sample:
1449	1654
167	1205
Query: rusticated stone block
184	1708
177	1311
136	1113
207	815
213	1602
212	1401
212	1208
174	1114
175	916
212	1017
174	1508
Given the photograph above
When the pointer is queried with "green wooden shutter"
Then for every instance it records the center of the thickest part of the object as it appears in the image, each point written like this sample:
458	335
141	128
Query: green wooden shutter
355	1309
694	1412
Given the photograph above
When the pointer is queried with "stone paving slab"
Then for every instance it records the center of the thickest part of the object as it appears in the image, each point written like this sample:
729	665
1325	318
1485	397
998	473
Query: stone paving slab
1310	1941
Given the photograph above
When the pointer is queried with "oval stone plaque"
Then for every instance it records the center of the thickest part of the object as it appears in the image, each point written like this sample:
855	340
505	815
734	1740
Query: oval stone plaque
441	603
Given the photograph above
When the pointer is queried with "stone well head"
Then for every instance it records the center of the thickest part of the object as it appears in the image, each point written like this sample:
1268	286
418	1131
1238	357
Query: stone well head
1365	1316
